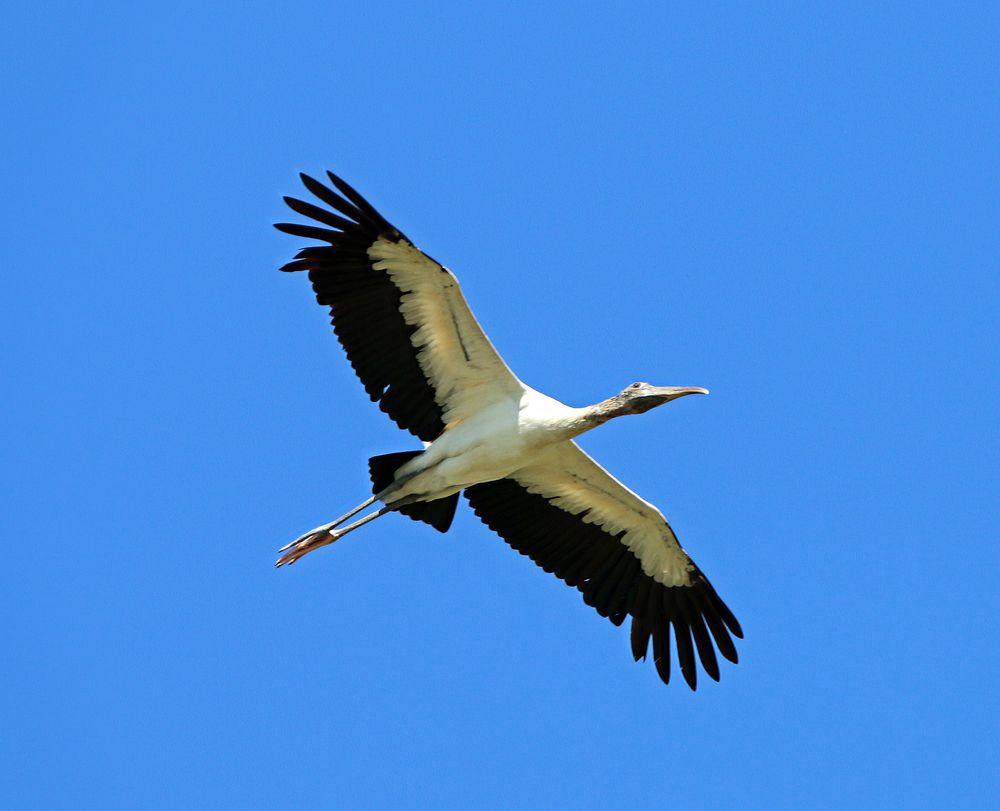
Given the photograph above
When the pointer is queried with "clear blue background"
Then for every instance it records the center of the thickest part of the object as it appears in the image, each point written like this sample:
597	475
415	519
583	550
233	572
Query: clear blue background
796	208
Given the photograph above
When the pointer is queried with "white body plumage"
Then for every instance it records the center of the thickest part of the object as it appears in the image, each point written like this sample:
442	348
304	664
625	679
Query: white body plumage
495	441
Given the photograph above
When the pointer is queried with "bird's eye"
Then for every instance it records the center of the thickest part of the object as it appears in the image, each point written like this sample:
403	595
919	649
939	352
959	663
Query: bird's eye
636	385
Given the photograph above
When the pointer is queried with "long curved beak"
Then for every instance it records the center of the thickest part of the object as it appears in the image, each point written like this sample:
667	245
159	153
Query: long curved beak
669	393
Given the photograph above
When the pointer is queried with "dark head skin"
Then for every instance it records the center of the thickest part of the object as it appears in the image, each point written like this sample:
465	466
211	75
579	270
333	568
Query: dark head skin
640	397
637	399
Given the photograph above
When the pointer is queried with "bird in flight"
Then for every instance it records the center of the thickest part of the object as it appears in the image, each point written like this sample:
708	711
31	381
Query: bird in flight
422	356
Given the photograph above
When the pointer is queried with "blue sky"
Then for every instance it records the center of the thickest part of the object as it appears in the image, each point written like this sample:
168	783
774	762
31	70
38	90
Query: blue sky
794	207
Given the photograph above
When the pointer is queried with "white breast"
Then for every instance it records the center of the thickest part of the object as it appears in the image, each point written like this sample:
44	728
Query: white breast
490	445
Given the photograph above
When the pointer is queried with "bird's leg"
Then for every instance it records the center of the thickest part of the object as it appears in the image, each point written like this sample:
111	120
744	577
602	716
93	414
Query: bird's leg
321	536
326	527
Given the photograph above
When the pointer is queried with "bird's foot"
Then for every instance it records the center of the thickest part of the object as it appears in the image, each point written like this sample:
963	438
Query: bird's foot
314	539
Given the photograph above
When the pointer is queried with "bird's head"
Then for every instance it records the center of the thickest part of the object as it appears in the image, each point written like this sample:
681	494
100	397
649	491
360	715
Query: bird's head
640	397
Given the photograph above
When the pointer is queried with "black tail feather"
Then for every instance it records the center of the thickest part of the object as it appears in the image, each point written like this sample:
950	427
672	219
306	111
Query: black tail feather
383	468
438	513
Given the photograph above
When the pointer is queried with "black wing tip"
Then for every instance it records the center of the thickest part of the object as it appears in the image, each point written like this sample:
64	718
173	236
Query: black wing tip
708	594
691	618
312	184
294	203
338	202
316	187
727	616
341	188
640	640
308	231
345	198
349	191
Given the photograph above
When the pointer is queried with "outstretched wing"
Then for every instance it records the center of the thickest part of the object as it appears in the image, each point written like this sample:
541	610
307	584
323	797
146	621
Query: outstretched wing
400	316
575	520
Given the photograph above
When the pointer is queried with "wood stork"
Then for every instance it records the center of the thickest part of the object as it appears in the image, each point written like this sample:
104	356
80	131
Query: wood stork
421	354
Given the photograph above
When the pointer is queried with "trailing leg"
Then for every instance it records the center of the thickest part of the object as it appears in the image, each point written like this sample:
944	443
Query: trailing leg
326	527
322	536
